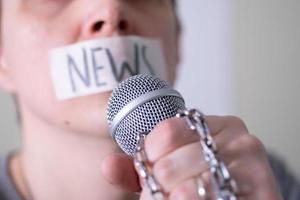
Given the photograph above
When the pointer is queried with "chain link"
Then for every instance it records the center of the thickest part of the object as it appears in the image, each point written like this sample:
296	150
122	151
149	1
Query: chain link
223	184
142	165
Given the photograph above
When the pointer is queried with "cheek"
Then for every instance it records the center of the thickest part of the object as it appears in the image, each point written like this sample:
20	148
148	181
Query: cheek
29	61
26	53
164	28
26	47
170	47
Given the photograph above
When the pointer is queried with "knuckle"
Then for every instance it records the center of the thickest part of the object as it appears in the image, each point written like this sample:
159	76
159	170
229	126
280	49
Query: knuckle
167	131
164	171
236	121
165	137
182	192
252	144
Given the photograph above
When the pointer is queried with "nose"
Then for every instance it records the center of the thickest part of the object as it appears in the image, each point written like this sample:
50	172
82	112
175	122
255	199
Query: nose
106	21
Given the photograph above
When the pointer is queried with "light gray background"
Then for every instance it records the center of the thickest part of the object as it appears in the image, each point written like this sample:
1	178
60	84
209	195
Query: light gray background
267	65
239	57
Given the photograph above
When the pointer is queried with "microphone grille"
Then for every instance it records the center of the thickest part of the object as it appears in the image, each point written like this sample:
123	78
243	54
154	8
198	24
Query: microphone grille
144	117
130	89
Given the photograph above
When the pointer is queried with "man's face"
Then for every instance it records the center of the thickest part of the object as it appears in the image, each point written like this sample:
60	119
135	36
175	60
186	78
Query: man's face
30	28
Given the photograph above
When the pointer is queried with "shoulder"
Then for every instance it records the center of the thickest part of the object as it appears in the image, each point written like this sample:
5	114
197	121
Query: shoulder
287	182
7	189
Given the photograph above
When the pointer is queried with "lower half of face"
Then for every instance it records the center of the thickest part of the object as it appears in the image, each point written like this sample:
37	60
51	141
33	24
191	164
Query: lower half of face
31	28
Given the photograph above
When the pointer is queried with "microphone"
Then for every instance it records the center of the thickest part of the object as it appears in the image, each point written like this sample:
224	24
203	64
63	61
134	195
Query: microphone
137	105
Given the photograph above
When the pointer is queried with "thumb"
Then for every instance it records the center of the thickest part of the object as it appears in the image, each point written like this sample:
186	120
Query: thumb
118	169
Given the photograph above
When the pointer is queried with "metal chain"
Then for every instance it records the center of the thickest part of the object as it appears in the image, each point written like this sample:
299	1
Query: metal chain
223	184
142	165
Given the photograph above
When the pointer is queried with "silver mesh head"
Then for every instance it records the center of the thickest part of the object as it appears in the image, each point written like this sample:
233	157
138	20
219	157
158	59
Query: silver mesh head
144	117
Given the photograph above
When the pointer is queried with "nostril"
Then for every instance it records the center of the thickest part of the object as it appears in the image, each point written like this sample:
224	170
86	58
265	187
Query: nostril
97	26
123	26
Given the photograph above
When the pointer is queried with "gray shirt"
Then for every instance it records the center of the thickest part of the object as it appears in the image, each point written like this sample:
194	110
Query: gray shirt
7	188
288	184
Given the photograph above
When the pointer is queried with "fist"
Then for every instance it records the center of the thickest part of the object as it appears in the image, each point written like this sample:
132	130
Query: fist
176	160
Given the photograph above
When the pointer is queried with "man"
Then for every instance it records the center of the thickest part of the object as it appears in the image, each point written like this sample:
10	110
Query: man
67	151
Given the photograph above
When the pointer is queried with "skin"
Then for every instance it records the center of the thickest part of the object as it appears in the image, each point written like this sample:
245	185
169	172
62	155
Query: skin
66	144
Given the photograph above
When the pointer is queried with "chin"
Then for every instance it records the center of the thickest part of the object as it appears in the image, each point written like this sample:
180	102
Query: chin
86	115
86	126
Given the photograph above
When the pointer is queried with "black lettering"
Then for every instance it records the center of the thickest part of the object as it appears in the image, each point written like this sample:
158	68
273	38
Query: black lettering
147	63
96	67
124	66
73	68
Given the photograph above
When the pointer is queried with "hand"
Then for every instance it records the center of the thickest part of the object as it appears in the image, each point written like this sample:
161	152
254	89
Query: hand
175	154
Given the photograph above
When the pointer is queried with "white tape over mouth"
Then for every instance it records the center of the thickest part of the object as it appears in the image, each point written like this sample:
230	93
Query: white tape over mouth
97	66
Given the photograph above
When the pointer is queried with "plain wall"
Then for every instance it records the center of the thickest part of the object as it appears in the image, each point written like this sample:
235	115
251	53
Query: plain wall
267	66
239	57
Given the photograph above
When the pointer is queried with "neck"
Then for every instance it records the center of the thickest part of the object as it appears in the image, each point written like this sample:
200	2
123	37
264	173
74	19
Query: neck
64	165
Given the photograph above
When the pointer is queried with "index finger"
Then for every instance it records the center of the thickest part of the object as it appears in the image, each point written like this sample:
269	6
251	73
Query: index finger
168	136
216	124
